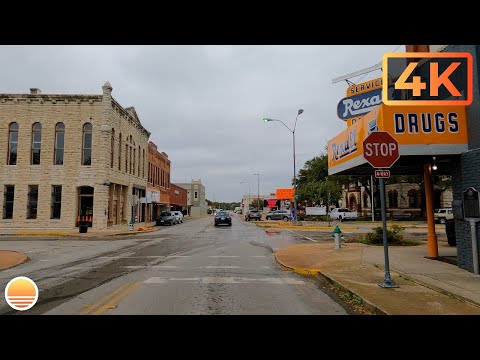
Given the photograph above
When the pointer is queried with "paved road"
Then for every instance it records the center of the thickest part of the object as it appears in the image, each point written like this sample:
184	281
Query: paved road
191	268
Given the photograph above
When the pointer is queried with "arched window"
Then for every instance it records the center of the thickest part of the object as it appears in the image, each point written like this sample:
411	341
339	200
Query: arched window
143	163
36	144
395	198
139	162
12	143
134	157
112	148
390	199
365	200
412	199
59	143
120	151
87	144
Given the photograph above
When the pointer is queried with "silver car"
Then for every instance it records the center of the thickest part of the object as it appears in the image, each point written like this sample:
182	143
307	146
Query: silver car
279	215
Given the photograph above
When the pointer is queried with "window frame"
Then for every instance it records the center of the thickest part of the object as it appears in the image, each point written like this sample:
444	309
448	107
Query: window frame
86	132
33	157
10	142
55	145
32	203
54	202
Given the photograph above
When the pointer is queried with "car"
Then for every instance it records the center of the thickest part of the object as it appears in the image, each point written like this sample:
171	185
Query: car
401	215
166	218
178	215
442	215
279	215
253	214
223	217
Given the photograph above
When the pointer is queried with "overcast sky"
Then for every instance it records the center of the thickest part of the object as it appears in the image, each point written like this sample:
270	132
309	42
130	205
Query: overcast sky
204	104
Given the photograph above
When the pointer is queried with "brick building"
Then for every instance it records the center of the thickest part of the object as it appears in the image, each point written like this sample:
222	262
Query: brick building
158	183
178	199
66	158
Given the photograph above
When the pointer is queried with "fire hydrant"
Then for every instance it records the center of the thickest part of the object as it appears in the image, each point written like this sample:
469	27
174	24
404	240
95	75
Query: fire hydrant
337	236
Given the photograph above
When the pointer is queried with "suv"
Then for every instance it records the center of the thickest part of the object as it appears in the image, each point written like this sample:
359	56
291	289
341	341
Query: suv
178	215
442	215
279	215
253	215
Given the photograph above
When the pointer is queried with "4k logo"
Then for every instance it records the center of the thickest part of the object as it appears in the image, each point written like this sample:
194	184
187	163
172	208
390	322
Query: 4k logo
427	78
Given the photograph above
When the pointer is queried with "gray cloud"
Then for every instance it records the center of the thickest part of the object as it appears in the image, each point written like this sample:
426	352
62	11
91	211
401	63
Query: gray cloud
204	104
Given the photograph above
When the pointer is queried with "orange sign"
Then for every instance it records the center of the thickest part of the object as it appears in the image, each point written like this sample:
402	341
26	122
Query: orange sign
284	194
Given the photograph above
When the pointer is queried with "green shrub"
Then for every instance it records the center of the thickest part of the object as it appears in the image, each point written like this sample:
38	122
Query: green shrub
393	238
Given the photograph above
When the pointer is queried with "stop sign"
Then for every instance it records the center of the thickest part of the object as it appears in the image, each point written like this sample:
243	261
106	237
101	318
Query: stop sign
380	149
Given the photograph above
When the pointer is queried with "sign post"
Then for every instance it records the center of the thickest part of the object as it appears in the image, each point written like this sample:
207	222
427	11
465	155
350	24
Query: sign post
380	149
471	211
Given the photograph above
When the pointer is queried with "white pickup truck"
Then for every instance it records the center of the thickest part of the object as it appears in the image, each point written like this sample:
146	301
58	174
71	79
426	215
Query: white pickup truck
343	214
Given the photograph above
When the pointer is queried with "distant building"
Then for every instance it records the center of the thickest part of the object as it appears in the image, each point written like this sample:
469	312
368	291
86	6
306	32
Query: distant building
196	202
178	199
68	158
158	183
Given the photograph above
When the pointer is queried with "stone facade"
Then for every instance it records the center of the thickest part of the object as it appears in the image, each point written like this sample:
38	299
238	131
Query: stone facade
197	205
400	196
158	181
108	178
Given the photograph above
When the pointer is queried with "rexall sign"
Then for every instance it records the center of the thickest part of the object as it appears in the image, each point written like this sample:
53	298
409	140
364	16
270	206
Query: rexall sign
358	105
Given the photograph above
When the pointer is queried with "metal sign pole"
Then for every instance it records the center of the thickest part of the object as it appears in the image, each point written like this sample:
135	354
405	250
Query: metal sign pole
387	281
473	231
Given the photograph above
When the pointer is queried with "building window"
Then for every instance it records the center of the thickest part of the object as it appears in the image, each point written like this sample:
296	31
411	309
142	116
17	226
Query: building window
143	163
112	148
56	202
59	143
130	163
87	144
32	201
126	158
139	163
120	152
12	144
36	143
8	197
168	180
134	158
195	195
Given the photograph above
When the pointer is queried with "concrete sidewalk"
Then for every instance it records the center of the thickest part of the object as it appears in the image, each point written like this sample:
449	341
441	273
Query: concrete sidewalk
426	286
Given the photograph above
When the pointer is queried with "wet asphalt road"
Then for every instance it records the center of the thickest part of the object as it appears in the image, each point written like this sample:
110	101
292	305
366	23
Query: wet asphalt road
190	268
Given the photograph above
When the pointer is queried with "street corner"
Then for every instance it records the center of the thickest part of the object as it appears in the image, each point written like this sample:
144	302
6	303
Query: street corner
314	258
9	259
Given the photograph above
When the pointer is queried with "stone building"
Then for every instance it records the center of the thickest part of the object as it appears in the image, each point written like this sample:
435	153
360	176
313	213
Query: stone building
400	196
196	203
67	158
158	183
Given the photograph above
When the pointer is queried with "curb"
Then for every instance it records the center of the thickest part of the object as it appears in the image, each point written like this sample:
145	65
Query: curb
20	263
325	278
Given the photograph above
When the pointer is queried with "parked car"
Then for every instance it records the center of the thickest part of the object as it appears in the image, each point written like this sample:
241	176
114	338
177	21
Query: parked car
343	214
401	215
166	218
442	215
223	217
253	214
178	215
279	215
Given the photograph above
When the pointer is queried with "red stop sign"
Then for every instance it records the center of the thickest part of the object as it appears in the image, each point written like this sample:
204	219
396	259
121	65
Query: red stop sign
380	149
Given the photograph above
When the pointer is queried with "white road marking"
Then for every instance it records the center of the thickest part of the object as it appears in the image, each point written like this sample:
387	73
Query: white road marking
222	267
265	267
131	257
179	256
258	256
151	267
228	280
306	237
223	256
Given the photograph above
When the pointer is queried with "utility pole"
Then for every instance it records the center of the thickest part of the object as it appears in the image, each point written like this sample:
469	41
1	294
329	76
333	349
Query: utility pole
258	190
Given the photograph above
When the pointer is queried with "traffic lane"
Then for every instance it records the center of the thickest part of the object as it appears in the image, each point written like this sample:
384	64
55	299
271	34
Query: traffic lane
228	271
71	274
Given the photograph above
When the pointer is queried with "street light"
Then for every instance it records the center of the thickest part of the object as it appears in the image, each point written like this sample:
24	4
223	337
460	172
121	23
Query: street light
248	201
300	111
258	189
